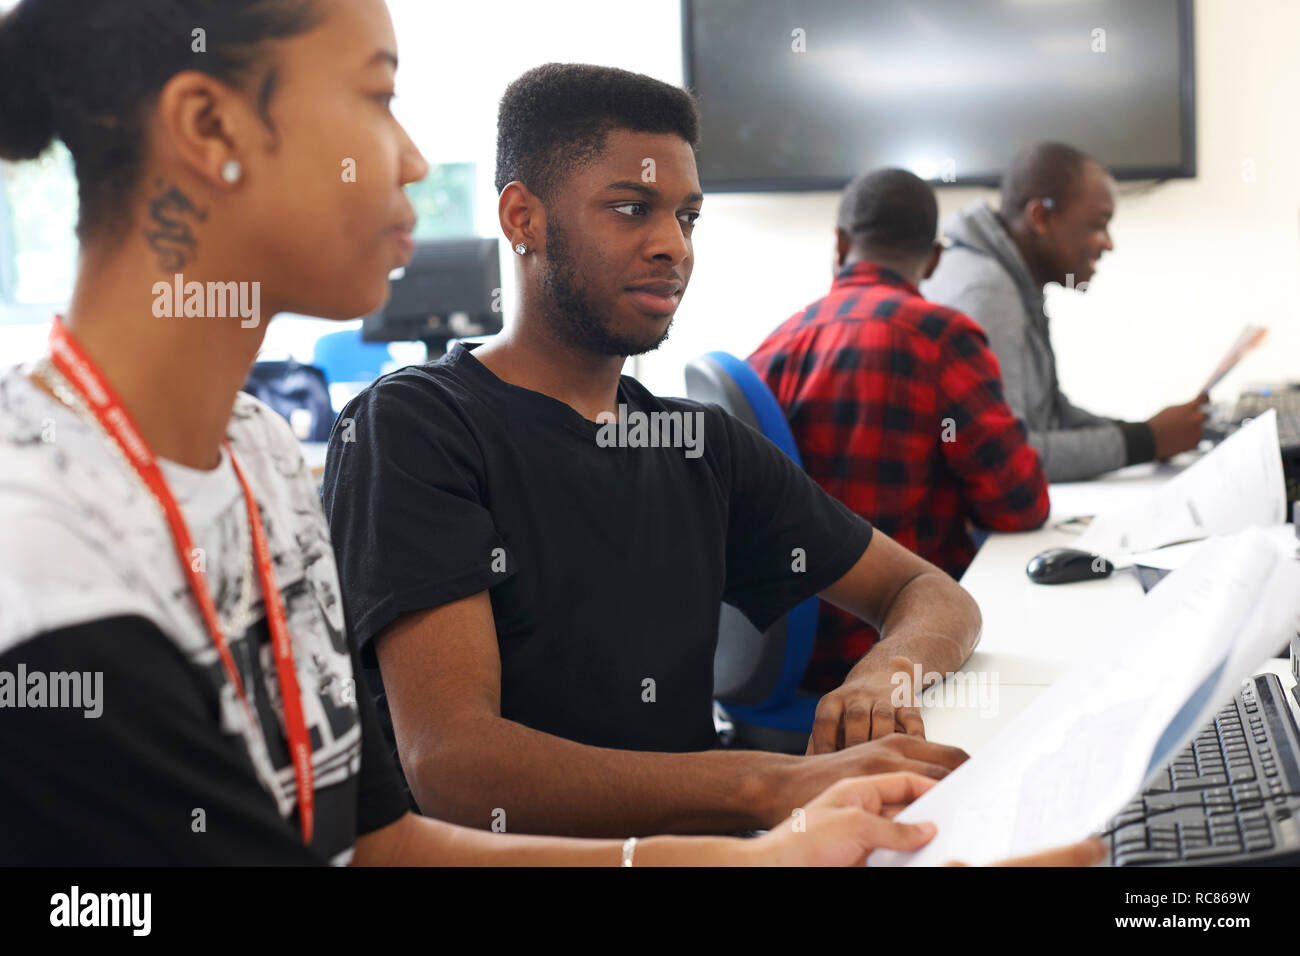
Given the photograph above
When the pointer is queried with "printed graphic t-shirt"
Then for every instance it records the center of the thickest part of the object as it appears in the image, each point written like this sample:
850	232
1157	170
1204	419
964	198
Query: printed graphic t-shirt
170	770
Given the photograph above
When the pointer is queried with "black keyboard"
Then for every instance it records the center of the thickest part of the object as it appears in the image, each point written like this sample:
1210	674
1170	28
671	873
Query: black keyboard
1285	401
1232	798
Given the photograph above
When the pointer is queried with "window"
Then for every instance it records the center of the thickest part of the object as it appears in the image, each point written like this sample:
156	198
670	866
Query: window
38	215
444	202
38	244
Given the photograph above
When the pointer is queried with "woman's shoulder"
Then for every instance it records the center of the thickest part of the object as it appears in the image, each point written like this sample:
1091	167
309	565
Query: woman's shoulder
23	408
61	561
269	453
254	424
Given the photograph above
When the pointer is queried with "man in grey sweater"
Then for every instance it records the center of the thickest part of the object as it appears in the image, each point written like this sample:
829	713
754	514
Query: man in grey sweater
1056	208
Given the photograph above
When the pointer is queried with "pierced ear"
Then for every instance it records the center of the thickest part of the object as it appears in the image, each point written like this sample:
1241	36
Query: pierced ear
1038	211
196	120
522	218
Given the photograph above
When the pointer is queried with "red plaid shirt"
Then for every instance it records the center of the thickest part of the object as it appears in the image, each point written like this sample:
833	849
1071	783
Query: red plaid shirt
896	406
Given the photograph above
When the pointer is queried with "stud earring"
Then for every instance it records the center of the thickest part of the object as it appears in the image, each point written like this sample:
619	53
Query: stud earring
522	249
232	171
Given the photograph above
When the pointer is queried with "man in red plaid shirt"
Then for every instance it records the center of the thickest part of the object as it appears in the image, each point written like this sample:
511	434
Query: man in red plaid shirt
896	403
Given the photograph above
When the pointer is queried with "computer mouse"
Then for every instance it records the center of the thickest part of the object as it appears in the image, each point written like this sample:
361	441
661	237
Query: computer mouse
1063	565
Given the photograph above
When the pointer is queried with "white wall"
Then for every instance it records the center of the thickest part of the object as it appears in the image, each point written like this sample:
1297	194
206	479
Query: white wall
1194	260
458	58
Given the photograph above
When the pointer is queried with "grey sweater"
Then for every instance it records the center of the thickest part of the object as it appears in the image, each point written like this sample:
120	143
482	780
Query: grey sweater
984	275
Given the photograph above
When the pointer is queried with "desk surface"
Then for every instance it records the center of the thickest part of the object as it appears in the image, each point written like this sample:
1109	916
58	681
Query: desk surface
1032	632
1052	623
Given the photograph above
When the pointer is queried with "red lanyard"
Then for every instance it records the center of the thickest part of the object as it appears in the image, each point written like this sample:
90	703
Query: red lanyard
80	371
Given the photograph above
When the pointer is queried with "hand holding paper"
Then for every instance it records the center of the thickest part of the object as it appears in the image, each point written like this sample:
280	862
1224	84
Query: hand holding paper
1090	741
1237	485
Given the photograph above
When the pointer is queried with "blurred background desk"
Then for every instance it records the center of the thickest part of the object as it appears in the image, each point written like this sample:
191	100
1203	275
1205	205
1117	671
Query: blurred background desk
313	452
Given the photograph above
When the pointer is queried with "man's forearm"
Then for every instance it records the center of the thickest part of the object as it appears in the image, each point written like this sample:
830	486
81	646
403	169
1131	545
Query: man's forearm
498	773
1079	454
933	622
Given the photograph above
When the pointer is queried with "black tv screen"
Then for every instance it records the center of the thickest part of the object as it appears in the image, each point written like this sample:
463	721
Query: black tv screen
805	94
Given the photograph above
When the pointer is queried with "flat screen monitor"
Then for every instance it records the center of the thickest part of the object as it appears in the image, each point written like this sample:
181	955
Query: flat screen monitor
805	94
450	290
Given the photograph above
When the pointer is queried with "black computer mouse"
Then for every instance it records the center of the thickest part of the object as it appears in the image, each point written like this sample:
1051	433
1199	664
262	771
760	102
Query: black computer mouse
1063	565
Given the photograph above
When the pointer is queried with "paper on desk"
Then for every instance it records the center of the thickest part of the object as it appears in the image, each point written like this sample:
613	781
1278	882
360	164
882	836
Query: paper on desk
1282	536
1088	743
1237	485
1074	499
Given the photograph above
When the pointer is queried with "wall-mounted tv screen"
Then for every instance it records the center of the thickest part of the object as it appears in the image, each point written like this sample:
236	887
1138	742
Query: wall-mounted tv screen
804	94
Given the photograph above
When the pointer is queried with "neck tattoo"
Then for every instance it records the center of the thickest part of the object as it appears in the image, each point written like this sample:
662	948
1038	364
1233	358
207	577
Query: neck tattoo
169	234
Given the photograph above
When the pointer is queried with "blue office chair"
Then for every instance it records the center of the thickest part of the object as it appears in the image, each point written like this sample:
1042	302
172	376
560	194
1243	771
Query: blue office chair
344	357
756	674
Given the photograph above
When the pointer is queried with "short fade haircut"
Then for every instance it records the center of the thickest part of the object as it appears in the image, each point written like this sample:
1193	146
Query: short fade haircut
557	118
1042	171
890	210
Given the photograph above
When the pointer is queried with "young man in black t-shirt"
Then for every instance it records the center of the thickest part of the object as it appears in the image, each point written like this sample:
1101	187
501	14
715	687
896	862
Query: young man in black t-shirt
540	586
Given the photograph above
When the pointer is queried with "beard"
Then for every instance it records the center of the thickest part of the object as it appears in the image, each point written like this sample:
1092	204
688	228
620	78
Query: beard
571	314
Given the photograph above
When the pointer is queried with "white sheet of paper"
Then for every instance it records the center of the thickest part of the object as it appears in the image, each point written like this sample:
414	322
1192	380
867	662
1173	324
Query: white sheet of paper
1080	751
1072	499
1238	485
1250	337
1176	555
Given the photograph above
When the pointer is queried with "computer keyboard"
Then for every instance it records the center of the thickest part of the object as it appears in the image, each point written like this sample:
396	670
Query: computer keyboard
1231	798
1285	401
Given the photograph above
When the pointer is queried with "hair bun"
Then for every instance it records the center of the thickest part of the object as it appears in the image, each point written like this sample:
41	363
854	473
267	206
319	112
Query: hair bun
26	113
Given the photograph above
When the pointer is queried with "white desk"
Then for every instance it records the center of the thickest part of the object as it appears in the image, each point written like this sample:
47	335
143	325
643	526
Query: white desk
1033	632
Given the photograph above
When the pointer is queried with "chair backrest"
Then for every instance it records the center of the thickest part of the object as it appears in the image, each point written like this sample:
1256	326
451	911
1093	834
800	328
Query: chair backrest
344	357
297	392
752	667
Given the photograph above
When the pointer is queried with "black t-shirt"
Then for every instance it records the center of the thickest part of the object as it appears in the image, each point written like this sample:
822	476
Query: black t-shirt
606	566
152	780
